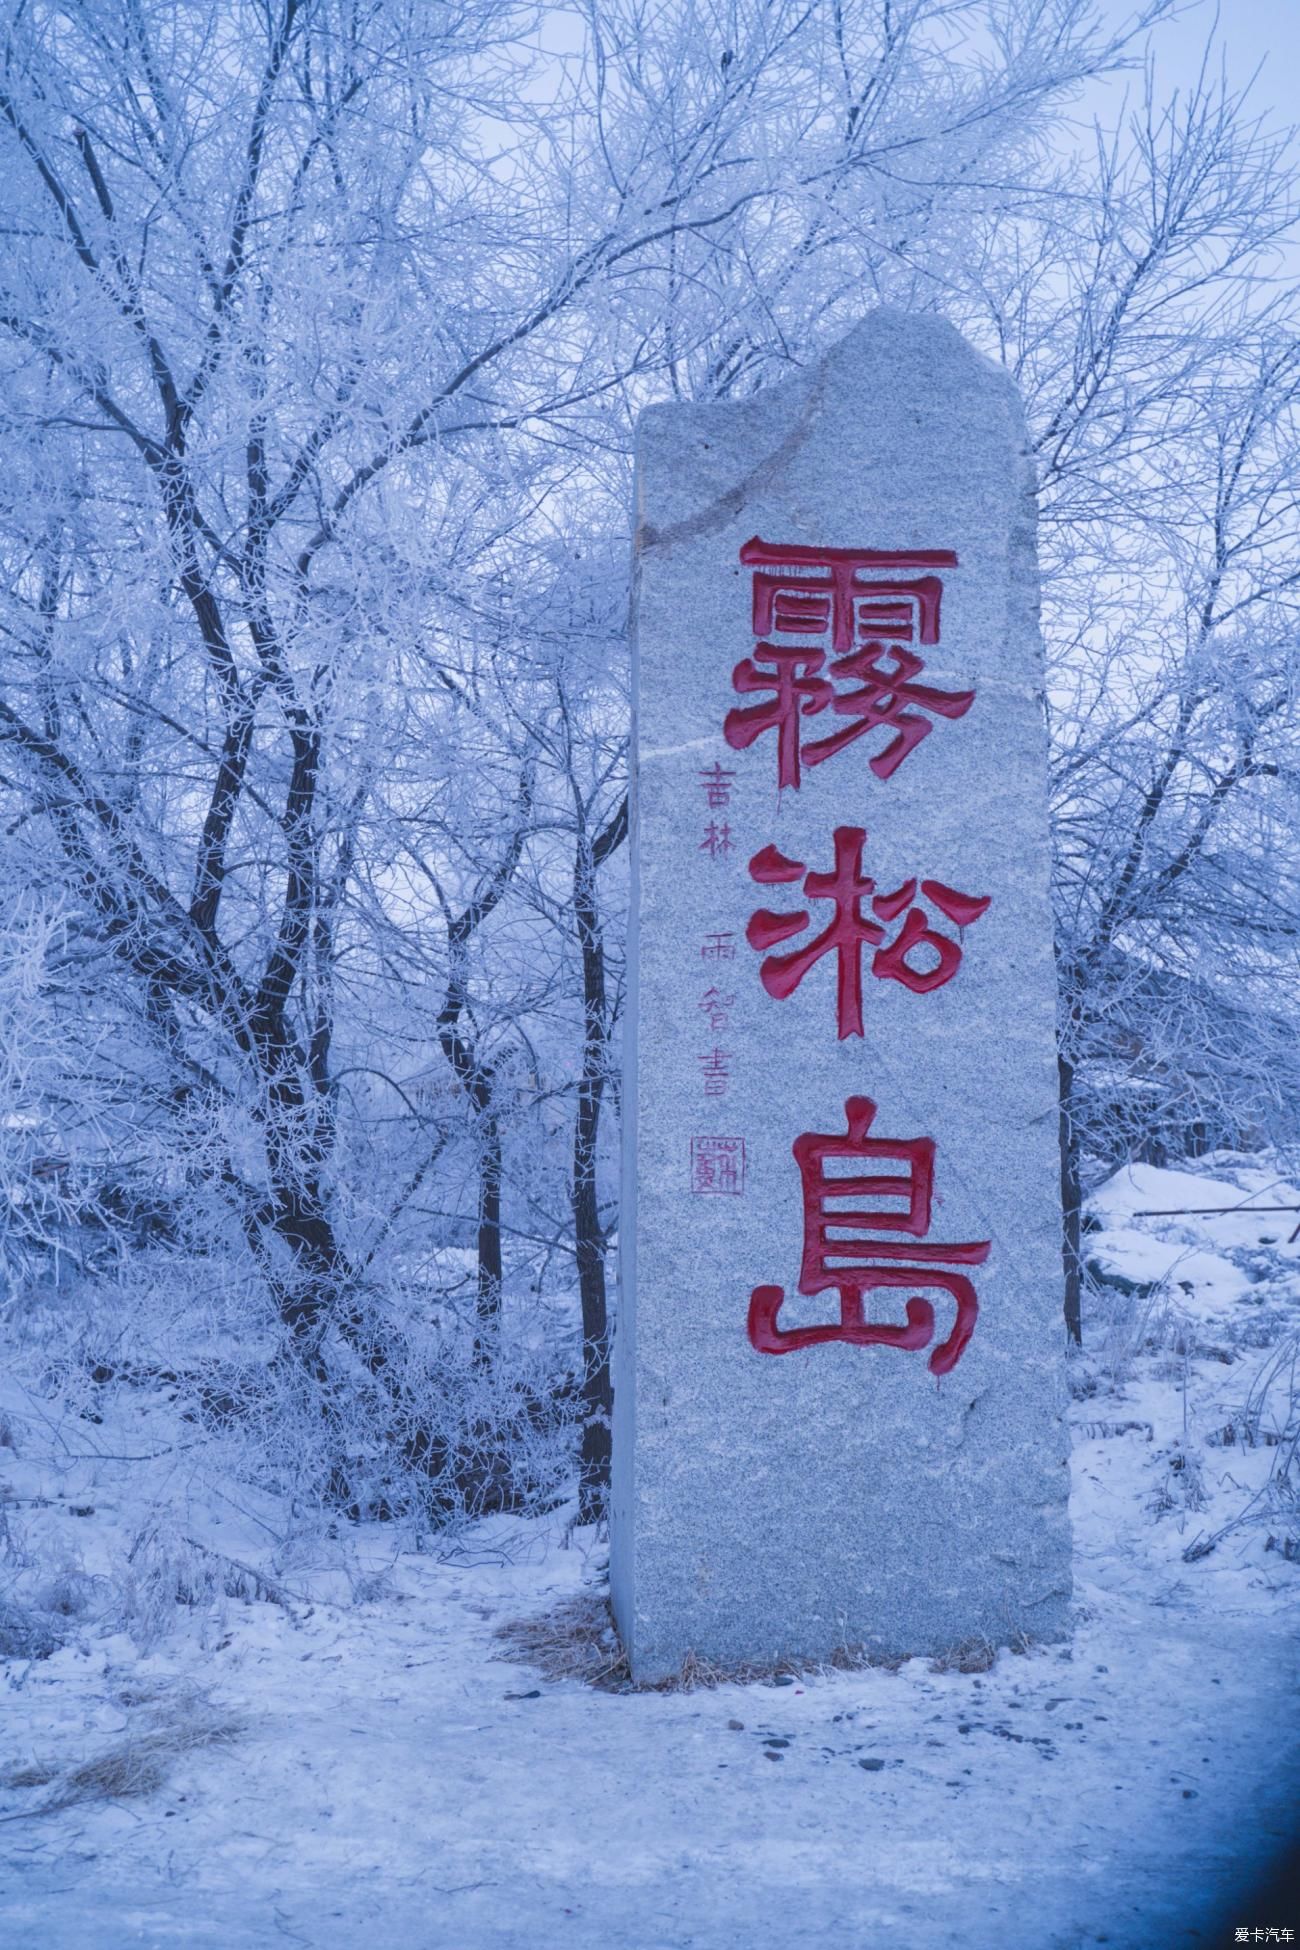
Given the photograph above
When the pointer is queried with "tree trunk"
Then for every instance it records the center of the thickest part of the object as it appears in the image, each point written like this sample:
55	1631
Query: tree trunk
597	1388
477	1076
490	1268
589	1234
1071	1204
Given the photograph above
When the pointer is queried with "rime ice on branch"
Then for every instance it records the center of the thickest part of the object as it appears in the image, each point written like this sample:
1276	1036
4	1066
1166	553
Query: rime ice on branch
840	761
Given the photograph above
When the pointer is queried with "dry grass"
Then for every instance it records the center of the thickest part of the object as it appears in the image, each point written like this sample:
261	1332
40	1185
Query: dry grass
35	1774
577	1639
972	1655
137	1763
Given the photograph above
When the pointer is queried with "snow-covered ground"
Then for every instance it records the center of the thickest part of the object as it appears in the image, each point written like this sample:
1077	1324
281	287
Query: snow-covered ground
382	1772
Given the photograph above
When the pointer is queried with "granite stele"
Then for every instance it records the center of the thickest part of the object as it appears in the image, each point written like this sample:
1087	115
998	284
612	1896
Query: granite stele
839	1360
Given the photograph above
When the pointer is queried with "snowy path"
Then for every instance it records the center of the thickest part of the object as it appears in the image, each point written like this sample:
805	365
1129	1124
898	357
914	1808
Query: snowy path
390	1793
397	1781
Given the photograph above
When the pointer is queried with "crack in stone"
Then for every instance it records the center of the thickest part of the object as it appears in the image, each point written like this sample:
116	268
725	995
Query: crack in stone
727	506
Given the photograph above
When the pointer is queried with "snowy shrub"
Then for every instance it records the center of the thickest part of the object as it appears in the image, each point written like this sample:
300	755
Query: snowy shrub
165	1569
26	1633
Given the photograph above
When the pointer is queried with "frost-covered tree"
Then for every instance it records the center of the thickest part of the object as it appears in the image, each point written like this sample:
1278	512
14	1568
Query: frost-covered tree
324	329
1156	337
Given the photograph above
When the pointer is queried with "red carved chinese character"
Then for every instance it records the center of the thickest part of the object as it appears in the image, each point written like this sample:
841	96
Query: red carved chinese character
802	591
891	962
717	785
717	1008
849	929
844	936
883	700
864	616
718	1167
715	1072
795	693
717	839
853	1267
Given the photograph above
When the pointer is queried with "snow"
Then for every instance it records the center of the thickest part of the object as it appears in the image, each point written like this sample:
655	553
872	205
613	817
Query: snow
1205	1282
1148	1188
396	1777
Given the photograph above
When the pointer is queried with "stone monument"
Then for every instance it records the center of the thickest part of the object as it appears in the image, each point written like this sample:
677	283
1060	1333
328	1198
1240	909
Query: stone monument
838	1416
